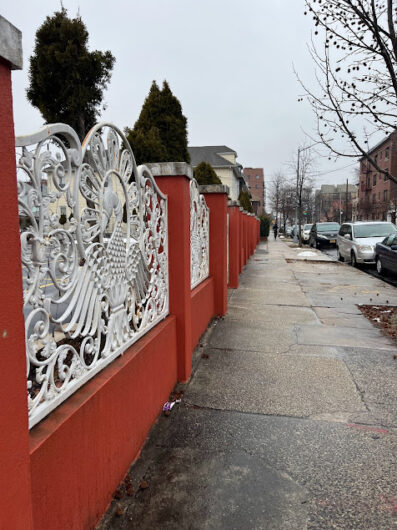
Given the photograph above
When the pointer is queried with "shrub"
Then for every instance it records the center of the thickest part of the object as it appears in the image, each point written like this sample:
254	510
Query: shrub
245	201
265	225
205	174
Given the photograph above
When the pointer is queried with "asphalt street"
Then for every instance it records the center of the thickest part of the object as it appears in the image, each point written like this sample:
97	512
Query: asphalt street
289	420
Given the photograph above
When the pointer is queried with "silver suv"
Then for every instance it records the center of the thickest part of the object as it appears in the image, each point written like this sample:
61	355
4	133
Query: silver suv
356	241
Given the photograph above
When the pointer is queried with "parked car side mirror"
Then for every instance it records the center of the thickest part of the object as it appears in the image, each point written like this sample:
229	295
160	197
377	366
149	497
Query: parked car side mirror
348	236
394	247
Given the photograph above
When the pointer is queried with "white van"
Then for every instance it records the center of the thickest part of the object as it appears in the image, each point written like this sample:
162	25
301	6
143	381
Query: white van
356	241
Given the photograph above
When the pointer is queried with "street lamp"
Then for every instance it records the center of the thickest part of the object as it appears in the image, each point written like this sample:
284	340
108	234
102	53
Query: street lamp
300	149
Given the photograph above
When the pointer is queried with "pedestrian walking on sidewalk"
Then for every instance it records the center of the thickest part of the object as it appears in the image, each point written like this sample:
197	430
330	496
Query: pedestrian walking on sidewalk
275	230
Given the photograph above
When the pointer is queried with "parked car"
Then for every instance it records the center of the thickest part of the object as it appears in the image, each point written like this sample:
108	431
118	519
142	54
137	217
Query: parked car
356	241
323	234
306	232
288	231
386	254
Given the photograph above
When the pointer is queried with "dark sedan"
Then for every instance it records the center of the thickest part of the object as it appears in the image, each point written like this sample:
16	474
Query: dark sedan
386	254
323	234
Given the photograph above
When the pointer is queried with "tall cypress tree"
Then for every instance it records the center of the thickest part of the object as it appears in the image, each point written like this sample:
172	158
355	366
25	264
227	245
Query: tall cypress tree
67	81
160	132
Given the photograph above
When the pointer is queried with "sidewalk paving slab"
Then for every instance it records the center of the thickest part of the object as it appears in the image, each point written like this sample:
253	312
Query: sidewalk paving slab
290	417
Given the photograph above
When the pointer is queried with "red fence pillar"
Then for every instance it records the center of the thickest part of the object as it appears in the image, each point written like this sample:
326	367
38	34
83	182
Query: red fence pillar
241	242
15	492
253	235
216	199
234	244
251	245
173	179
246	248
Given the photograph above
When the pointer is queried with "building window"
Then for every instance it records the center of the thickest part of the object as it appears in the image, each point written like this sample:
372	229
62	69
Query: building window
374	179
374	197
385	195
257	177
387	153
376	159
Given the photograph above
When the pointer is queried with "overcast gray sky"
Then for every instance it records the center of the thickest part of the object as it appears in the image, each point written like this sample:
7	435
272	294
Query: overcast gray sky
229	62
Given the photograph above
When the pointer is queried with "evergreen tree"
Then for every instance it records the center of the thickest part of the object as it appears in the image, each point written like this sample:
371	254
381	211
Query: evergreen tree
160	133
265	222
245	201
204	174
147	146
66	80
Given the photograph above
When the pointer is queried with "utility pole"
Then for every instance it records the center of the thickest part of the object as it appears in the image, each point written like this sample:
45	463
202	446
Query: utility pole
296	201
340	208
347	205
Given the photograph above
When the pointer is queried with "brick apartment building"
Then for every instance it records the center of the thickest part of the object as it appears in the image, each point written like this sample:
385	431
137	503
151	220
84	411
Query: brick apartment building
377	195
335	203
256	184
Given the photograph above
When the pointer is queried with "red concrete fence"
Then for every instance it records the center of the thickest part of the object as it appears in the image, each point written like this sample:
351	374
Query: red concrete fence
63	473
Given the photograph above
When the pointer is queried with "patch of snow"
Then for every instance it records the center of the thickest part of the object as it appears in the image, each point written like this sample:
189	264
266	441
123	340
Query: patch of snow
307	254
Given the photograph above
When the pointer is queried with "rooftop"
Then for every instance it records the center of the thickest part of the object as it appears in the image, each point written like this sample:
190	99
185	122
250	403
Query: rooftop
210	154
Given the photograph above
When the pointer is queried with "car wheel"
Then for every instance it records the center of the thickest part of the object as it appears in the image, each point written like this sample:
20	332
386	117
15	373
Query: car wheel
318	244
339	255
353	259
379	267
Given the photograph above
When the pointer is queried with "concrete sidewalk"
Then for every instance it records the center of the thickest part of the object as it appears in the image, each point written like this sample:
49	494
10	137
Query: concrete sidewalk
290	418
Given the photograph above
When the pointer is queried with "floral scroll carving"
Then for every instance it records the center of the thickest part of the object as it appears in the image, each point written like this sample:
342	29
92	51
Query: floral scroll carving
199	236
94	250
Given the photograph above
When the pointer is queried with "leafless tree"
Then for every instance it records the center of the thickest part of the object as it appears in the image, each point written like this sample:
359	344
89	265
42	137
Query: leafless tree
287	203
354	48
304	166
276	186
308	204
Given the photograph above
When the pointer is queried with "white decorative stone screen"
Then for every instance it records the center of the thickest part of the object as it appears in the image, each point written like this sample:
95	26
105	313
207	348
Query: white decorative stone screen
199	236
94	256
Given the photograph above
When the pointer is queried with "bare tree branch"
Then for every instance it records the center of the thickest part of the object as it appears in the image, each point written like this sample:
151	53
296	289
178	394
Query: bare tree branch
356	74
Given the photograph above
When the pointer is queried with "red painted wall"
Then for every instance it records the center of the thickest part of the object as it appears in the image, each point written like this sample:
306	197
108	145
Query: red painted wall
81	452
178	192
202	309
217	203
234	246
15	502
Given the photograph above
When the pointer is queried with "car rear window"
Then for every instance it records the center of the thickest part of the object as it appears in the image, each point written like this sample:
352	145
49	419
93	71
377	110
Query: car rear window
324	227
374	230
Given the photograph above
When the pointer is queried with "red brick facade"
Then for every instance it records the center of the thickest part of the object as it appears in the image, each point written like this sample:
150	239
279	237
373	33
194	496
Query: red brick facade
256	184
377	195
